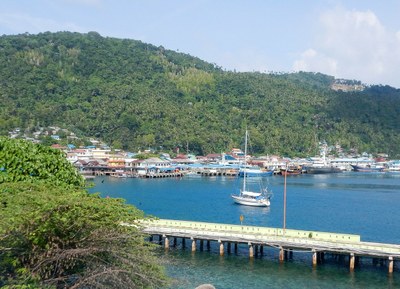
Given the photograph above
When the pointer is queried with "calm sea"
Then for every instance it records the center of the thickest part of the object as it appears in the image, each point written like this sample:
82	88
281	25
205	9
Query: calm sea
357	203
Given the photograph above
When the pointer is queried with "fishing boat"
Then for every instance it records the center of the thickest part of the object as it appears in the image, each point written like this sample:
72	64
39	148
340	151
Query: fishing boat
246	197
367	168
393	166
291	171
321	165
322	170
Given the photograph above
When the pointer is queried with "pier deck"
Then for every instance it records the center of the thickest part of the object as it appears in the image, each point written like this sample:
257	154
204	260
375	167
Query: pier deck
286	240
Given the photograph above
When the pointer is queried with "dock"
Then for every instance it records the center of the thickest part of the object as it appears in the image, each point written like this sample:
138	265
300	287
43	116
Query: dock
219	172
284	240
153	175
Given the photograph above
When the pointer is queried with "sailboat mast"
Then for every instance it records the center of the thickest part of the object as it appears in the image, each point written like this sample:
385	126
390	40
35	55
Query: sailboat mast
245	162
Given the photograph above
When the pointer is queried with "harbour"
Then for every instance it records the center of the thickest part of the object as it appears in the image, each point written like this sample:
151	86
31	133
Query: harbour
326	203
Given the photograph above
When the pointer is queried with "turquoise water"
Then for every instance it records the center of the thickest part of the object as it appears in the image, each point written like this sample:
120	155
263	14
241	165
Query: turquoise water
356	203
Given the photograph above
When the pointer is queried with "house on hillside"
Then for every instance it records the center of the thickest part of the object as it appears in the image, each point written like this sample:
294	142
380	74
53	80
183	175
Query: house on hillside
116	163
213	158
55	137
184	160
79	154
154	165
227	159
101	153
59	147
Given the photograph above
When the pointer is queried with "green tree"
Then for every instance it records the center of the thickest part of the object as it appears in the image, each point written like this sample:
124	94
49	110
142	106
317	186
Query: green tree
24	161
57	235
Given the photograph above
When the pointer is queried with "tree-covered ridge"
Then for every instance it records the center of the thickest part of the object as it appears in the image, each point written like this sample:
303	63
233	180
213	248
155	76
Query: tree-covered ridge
135	95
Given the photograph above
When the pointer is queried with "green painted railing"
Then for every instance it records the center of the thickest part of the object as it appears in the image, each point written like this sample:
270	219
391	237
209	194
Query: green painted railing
262	231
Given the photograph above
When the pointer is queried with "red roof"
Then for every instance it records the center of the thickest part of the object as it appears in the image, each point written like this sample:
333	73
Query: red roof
213	156
57	146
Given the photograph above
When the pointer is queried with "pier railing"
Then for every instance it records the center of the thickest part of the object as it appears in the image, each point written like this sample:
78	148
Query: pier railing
254	230
285	240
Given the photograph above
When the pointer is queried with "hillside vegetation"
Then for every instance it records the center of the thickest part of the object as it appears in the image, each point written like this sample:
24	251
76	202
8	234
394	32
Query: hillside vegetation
135	96
55	234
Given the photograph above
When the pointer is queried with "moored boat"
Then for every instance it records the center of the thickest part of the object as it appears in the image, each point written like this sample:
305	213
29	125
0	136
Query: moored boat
251	198
393	166
254	172
367	168
291	171
322	170
322	165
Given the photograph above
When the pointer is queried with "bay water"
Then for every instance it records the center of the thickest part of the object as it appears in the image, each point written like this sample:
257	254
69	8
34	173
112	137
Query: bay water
366	204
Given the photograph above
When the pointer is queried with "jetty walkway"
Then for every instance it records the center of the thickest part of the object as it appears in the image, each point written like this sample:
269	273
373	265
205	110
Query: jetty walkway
286	241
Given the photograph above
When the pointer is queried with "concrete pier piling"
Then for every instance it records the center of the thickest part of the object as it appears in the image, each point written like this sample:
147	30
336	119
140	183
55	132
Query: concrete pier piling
390	264
352	261
193	245
251	250
166	242
281	255
221	248
314	258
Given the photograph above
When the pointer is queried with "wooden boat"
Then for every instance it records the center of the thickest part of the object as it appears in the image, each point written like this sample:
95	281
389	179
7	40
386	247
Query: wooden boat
291	171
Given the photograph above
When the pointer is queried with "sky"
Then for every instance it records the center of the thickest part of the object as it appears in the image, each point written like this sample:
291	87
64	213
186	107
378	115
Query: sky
351	39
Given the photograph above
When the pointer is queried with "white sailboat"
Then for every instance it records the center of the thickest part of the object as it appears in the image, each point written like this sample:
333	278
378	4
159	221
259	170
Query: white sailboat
251	198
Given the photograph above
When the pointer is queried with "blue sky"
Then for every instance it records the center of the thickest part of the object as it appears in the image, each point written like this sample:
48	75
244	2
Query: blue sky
352	39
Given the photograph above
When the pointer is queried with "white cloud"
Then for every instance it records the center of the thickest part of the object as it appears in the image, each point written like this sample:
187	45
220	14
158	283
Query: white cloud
354	45
18	23
311	60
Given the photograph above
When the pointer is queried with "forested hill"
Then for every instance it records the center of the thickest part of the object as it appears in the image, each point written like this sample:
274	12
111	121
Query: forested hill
135	95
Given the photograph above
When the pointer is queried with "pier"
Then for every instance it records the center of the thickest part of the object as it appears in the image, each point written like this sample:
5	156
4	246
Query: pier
162	175
285	240
219	172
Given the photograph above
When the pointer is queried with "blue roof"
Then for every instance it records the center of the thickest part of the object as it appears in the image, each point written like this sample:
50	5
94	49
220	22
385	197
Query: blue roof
213	166
229	158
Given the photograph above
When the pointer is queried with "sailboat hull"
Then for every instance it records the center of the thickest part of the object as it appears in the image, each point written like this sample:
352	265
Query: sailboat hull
251	201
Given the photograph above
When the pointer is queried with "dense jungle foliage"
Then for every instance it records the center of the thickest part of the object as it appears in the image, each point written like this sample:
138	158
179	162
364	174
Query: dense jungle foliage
135	96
